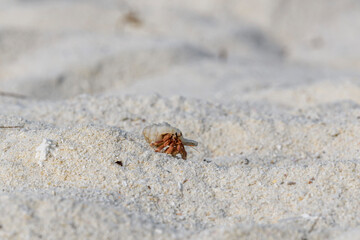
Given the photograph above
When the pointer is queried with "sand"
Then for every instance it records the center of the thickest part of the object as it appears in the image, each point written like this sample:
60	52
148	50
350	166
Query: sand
273	102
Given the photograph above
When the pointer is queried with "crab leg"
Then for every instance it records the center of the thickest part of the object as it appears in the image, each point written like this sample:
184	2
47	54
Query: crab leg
163	145
170	149
165	138
181	150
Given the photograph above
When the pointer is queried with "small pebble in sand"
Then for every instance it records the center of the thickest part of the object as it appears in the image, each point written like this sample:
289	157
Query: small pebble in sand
119	163
45	149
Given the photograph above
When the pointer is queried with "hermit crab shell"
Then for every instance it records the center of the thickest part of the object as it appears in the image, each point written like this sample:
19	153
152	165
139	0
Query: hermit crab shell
155	132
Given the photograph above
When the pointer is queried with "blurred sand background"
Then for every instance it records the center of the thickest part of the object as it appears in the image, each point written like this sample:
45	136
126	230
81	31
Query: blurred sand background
269	88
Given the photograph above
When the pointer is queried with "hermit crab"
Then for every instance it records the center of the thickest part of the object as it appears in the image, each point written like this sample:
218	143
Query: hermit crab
165	138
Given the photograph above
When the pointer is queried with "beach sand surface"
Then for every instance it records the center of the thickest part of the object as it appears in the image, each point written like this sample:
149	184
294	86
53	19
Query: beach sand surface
269	89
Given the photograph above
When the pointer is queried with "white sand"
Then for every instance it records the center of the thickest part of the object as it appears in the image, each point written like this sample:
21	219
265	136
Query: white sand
277	118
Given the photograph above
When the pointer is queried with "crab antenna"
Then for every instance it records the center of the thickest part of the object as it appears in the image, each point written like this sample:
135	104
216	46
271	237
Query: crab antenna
194	149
